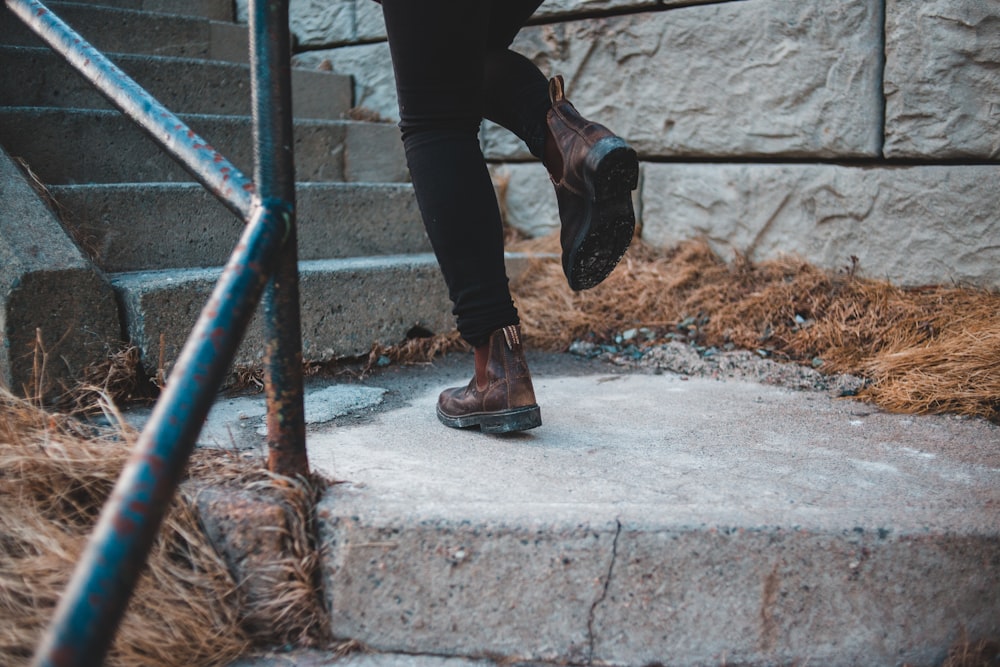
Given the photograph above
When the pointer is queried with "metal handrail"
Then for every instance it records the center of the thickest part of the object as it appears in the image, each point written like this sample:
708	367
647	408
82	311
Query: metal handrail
264	263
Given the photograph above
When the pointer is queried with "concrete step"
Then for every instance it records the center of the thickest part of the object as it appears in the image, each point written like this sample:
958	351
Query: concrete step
319	658
653	519
347	305
38	77
218	10
65	146
656	519
151	226
116	30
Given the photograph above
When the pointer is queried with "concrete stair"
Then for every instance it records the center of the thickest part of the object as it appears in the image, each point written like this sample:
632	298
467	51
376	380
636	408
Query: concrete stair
157	238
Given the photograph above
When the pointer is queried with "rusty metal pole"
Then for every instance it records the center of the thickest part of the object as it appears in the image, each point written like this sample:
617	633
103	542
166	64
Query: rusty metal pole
88	614
274	175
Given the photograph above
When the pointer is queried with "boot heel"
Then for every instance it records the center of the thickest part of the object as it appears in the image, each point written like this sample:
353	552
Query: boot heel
612	169
521	419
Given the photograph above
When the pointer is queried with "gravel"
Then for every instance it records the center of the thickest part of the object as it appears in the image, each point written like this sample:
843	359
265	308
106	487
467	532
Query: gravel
692	361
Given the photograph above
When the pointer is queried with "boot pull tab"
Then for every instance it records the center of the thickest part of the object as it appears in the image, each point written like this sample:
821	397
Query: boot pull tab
556	89
512	336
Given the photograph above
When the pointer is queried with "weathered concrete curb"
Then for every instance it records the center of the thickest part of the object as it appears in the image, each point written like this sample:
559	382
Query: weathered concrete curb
118	223
656	520
73	146
125	30
347	305
38	77
50	293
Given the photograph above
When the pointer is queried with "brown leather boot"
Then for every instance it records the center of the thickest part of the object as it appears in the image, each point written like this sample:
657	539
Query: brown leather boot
594	173
500	397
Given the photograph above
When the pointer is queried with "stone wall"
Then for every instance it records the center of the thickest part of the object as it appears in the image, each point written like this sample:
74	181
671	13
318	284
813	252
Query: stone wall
865	128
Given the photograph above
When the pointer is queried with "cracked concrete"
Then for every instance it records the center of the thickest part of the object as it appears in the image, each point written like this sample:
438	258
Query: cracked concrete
654	518
604	592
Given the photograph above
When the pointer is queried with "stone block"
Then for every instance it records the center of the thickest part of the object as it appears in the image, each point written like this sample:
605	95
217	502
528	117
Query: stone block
50	294
942	89
569	8
749	79
369	24
528	201
315	23
320	22
912	225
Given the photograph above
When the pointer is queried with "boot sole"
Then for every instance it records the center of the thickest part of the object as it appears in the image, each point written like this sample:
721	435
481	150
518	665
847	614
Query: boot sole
611	173
504	421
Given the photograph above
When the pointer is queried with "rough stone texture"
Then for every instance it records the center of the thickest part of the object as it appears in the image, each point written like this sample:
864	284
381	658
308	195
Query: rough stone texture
347	305
371	67
528	201
763	78
73	146
569	8
766	78
47	289
942	89
912	225
320	23
345	21
369	24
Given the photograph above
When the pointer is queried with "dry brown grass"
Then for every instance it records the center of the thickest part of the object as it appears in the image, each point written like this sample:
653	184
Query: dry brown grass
982	653
55	474
928	350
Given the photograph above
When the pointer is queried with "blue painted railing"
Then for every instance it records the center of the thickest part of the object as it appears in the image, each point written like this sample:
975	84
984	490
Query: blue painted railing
264	265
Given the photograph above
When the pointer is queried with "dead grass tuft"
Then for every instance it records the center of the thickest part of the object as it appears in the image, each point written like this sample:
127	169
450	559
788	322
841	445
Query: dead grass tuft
56	472
928	350
965	653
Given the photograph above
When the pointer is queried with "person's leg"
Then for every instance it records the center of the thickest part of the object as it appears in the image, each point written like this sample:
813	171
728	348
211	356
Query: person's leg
516	92
592	169
438	51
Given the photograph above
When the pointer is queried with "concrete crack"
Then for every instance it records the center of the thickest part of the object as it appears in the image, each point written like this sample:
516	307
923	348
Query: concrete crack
604	593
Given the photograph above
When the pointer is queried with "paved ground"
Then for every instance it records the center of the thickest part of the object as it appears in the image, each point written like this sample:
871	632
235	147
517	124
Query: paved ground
652	518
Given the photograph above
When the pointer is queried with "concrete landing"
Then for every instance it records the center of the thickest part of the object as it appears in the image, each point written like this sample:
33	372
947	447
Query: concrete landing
657	519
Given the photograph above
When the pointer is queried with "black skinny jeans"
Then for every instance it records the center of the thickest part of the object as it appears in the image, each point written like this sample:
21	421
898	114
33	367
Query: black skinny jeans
453	68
